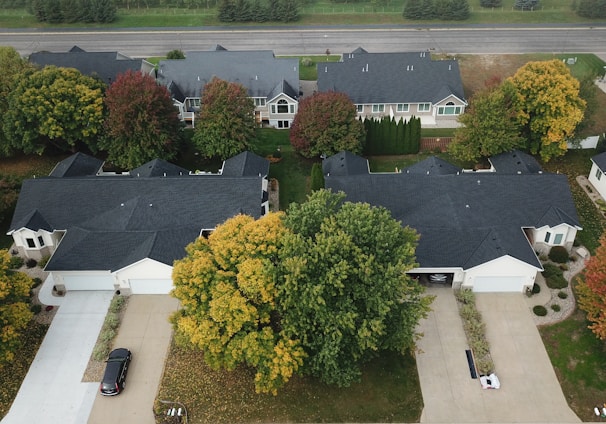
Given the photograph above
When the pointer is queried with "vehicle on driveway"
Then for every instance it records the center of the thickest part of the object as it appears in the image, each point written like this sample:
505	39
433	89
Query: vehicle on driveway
116	369
438	278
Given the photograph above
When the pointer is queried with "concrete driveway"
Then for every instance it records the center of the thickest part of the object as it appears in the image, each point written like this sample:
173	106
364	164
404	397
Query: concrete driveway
52	391
530	391
144	330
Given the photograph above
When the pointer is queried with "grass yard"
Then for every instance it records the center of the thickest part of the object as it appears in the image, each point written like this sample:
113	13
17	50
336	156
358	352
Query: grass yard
12	374
309	71
579	359
389	392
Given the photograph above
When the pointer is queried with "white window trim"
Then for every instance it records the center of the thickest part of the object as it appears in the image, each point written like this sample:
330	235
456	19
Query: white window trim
405	107
378	108
424	107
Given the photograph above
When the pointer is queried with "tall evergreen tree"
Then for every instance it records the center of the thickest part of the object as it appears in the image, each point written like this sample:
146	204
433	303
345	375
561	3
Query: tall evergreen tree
413	9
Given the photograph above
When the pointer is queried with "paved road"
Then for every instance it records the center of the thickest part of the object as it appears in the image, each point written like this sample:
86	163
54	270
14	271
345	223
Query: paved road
299	41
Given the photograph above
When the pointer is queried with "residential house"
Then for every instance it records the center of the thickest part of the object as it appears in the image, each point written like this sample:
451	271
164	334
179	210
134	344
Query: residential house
104	65
596	174
272	83
482	230
398	85
109	231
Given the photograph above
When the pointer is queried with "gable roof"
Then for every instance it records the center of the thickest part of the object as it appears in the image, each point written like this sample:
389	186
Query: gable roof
105	65
344	163
433	165
600	161
259	71
158	168
466	219
391	78
515	162
245	164
77	165
113	221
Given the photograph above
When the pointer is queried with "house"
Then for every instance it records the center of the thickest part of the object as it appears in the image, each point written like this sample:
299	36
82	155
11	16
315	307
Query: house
482	230
109	231
272	83
104	65
398	85
596	174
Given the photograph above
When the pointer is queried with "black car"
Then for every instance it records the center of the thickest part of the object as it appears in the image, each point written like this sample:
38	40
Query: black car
115	372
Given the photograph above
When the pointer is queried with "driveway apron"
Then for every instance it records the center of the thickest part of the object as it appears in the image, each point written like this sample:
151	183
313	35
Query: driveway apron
52	391
146	332
530	391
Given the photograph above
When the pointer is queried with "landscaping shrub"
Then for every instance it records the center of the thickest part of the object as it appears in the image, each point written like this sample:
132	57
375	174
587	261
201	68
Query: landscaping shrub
37	282
42	262
466	297
564	267
116	303
556	282
558	254
112	320
551	270
36	309
306	61
16	262
485	366
555	307
539	310
536	289
31	263
562	295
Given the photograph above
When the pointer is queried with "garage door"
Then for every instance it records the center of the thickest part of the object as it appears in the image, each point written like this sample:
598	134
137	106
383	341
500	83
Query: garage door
498	284
88	282
150	286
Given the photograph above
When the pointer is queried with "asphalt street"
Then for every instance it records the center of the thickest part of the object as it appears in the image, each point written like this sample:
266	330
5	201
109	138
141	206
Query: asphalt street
314	41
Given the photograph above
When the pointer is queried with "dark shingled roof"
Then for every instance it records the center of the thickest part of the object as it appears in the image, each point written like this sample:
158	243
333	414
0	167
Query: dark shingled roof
246	164
259	71
113	221
432	165
467	219
105	65
159	168
345	163
77	165
391	78
515	162
600	161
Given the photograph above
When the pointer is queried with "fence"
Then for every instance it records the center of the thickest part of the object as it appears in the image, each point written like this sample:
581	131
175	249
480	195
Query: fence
434	144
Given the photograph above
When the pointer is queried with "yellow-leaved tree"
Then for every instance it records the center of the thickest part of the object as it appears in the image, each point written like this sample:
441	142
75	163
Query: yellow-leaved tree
547	104
14	310
227	288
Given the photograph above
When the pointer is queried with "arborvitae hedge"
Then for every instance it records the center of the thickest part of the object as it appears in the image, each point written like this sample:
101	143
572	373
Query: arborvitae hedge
388	137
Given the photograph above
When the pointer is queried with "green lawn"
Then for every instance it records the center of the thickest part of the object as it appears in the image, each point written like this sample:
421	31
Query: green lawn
389	392
309	72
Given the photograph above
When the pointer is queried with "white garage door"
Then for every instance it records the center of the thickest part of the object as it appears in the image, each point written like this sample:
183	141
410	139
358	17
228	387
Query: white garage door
150	286
498	284
88	282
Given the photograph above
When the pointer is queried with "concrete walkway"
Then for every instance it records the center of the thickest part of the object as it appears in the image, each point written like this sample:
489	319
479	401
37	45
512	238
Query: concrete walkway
144	330
530	391
52	392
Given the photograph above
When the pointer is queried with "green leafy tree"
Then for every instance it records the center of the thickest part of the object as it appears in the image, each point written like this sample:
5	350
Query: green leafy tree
12	69
548	106
326	123
489	127
345	292
142	124
14	308
227	288
592	290
56	107
226	125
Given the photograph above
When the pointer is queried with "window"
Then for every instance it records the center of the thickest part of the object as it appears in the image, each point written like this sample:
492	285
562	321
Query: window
424	107
449	109
40	241
359	108
282	106
378	108
547	237
291	108
558	239
30	243
283	124
259	101
195	103
598	174
402	107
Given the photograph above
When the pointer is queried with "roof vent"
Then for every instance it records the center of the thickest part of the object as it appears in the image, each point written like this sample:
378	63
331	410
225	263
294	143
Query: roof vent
198	77
165	174
450	67
121	204
412	67
151	204
467	206
326	69
478	182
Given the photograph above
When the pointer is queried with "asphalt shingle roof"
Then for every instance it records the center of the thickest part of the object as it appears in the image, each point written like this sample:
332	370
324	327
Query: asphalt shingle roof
77	165
246	164
345	163
466	219
600	161
259	71
432	165
515	162
158	168
369	78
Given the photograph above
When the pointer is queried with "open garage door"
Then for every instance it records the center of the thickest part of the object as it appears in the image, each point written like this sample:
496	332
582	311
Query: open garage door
88	282
498	284
150	286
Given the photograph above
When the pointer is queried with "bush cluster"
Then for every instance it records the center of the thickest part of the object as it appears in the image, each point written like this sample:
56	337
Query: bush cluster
16	262
562	295
554	278
559	254
536	289
388	137
31	263
475	330
555	307
448	10
109	329
70	11
539	310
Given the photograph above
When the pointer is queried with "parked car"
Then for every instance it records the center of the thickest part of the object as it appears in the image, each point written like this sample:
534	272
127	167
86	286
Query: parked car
438	278
116	369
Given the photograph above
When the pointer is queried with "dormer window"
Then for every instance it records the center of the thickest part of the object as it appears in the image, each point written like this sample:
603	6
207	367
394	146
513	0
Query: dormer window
449	109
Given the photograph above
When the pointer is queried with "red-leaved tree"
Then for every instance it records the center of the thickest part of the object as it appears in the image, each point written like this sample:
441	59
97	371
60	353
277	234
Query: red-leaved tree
592	290
142	124
326	123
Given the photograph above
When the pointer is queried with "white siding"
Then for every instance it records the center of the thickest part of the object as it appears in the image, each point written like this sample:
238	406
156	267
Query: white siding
157	274
84	280
504	269
600	185
150	286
